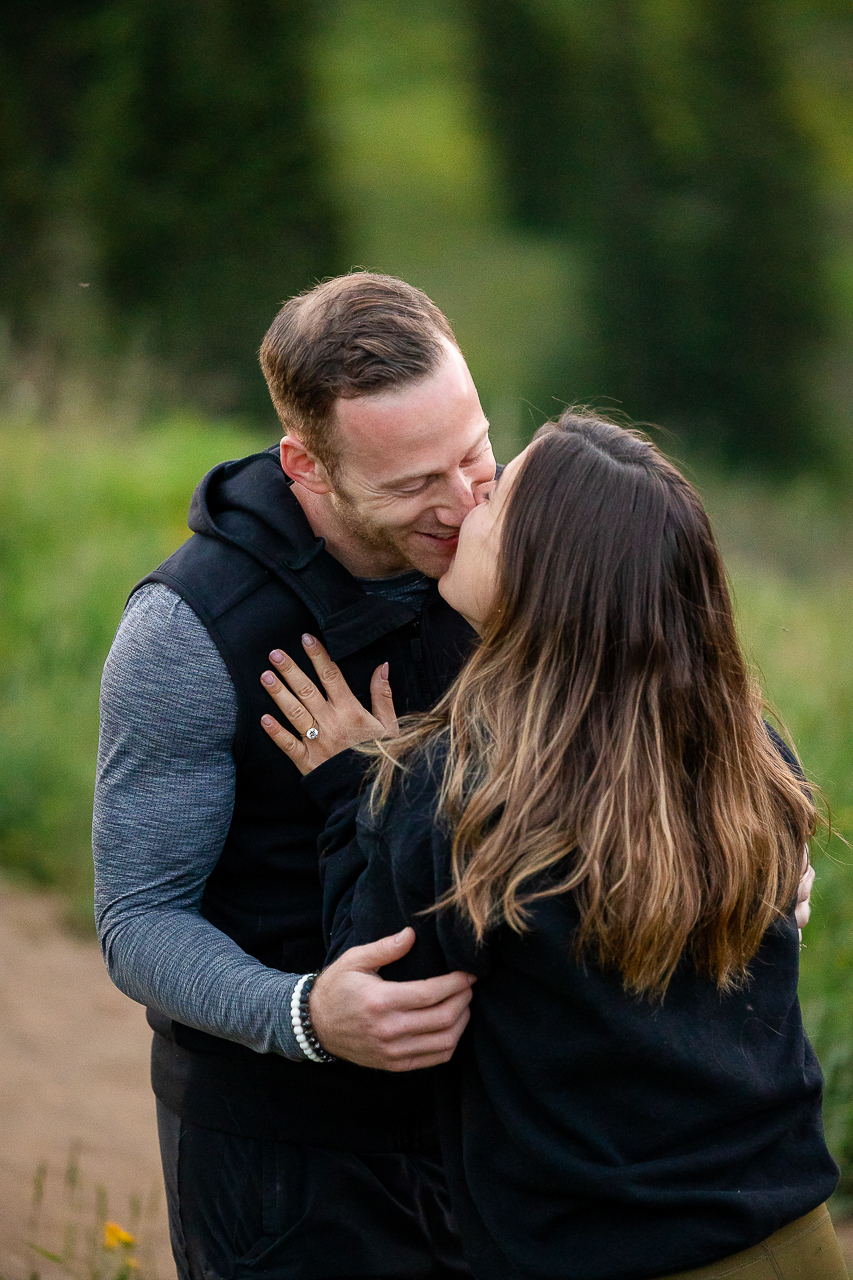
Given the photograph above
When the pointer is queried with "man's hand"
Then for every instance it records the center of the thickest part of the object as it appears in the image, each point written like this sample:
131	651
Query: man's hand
804	892
396	1026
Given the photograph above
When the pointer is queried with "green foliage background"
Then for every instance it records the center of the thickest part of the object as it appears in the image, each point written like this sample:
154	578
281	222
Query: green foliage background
644	200
660	139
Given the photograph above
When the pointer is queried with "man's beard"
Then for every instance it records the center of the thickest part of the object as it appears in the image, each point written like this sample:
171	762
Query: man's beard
381	539
367	531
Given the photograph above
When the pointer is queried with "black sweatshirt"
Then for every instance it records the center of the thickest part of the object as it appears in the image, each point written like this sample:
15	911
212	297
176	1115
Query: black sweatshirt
586	1132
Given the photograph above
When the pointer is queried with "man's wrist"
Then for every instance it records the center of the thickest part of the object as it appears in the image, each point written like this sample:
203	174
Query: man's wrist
303	1027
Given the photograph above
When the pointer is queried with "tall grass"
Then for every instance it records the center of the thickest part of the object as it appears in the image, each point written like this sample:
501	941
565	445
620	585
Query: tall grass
81	519
70	1230
84	517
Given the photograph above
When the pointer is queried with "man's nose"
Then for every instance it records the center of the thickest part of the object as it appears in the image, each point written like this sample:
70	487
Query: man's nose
459	497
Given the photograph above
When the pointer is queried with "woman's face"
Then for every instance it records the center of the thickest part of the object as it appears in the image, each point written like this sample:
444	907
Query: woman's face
469	584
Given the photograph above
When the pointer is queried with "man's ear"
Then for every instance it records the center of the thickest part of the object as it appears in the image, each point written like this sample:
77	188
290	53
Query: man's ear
302	466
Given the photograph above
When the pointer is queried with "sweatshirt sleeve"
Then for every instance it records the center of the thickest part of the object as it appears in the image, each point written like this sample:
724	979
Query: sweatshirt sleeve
382	871
163	803
336	787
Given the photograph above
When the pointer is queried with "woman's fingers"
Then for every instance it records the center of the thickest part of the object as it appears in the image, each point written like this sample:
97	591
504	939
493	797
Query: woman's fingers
300	684
326	725
382	701
329	672
299	716
804	906
292	747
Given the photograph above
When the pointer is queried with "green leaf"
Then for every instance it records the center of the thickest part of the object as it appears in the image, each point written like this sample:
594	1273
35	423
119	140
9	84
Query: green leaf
45	1253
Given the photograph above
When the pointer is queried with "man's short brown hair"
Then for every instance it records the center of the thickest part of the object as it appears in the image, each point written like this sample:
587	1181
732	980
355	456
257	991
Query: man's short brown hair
351	336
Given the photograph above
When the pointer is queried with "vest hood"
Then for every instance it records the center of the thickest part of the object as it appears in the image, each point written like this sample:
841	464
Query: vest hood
249	504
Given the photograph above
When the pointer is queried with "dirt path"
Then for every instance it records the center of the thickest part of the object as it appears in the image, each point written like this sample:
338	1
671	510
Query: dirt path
73	1082
74	1094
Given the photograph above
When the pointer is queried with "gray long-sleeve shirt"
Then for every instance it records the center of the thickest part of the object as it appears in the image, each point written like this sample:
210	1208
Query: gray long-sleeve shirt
163	803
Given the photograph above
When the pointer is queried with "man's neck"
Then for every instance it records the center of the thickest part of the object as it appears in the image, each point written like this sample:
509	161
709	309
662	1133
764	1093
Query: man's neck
360	559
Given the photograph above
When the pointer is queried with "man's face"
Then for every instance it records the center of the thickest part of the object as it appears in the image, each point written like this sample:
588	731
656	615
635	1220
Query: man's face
411	462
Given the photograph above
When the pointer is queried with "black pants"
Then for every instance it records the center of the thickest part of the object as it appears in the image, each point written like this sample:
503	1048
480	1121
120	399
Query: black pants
242	1207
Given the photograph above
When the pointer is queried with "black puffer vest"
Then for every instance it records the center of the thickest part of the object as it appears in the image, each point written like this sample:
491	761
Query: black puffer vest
257	577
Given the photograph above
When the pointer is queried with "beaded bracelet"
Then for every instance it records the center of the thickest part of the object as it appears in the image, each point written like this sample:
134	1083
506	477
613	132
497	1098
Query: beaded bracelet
300	1017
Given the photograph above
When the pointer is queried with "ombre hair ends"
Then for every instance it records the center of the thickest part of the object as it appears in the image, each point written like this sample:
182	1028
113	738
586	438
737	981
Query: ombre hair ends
605	739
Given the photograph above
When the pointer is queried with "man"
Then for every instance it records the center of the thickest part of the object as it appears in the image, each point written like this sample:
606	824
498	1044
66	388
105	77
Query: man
207	897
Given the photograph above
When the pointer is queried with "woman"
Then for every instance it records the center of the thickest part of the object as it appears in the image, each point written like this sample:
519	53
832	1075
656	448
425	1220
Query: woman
597	824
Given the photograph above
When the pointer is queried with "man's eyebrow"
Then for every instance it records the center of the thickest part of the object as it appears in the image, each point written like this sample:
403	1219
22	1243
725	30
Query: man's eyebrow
398	481
426	475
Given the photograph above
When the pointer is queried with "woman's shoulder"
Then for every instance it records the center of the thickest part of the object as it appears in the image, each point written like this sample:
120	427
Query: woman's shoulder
416	782
407	823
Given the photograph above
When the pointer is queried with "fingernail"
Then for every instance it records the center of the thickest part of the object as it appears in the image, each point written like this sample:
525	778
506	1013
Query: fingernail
276	656
384	670
308	641
267	722
268	678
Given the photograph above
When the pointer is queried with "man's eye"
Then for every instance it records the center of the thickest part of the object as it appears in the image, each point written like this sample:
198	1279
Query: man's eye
485	447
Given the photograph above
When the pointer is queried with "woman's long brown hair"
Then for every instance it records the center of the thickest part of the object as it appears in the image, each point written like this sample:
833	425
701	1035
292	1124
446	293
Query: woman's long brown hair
605	738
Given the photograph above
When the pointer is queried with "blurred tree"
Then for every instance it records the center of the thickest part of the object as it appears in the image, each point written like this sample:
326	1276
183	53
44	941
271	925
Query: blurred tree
179	141
660	136
40	69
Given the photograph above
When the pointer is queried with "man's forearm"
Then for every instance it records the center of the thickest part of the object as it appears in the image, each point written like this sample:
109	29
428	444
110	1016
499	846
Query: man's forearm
178	963
163	806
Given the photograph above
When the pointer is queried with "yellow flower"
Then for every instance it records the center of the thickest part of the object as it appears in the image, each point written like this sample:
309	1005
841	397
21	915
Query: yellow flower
114	1235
